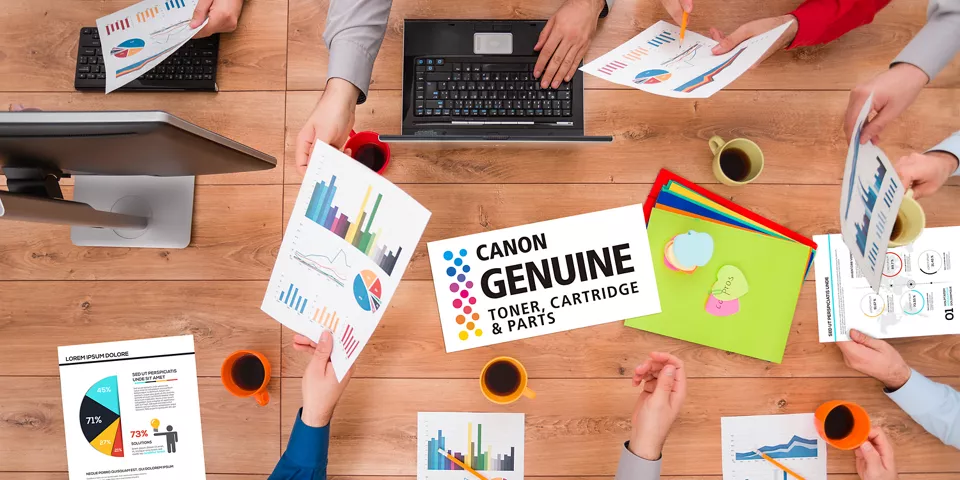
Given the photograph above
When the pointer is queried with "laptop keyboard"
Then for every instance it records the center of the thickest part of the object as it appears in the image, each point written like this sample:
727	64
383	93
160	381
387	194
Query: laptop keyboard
484	91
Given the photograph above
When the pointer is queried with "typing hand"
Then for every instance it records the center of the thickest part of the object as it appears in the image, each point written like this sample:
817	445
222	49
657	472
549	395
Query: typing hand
321	390
224	16
564	41
875	458
330	121
925	173
675	9
664	382
752	29
876	358
893	91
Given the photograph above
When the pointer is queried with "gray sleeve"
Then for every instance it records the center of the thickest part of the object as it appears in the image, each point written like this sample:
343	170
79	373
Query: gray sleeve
353	35
939	40
632	467
952	146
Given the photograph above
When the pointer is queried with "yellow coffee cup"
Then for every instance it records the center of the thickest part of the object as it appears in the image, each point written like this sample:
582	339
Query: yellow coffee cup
910	222
737	162
503	380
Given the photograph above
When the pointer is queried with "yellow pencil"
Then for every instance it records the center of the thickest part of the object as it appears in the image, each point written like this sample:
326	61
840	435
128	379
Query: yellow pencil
683	26
779	465
462	465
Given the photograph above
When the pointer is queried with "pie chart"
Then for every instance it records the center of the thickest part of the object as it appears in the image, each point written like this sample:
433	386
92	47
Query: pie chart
100	417
367	290
650	77
127	48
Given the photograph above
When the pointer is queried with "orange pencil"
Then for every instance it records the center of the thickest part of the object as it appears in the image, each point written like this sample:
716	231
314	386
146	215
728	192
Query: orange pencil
463	465
779	465
683	27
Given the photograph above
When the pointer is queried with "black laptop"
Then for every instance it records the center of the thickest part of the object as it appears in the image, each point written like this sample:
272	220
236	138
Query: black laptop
472	80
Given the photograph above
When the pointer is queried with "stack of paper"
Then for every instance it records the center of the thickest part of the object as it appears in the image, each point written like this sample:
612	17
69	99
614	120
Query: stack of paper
742	296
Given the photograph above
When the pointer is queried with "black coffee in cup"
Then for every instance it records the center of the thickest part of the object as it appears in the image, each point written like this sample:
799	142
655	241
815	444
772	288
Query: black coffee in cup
502	378
371	156
735	164
248	372
839	423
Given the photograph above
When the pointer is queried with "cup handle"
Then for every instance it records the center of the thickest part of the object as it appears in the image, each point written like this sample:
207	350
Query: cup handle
262	398
529	393
716	143
909	194
352	132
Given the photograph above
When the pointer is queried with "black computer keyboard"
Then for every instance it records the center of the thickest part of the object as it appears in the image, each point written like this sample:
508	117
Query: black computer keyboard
479	88
192	67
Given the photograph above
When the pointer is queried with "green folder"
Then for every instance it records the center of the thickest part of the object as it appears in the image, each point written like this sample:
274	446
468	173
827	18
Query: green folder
774	269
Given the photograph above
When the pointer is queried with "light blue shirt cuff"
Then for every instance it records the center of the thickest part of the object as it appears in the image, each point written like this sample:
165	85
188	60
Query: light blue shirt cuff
914	396
952	146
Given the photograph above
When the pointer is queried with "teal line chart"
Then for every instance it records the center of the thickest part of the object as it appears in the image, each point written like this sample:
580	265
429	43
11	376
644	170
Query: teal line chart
708	76
325	265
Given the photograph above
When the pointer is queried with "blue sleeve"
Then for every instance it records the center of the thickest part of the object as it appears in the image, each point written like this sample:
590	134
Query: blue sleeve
952	146
935	406
306	454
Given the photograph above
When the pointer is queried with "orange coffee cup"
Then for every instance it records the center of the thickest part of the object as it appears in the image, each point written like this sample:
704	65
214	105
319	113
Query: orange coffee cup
503	380
853	428
242	375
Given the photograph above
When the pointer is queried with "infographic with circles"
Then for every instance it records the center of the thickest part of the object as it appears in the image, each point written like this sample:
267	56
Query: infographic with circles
916	294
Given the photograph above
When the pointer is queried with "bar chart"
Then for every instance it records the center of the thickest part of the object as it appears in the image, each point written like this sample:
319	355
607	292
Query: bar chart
292	298
328	319
486	442
663	38
636	54
473	458
324	211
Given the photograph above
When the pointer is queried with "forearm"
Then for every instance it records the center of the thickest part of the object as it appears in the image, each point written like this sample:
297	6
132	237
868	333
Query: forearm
633	467
306	453
952	146
822	21
935	406
937	42
353	35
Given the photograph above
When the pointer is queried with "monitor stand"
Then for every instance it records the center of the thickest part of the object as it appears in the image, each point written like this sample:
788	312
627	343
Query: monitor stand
166	201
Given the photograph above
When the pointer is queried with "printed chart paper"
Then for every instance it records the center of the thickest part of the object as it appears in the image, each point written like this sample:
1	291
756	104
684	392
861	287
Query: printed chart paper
869	201
349	240
916	296
655	62
131	410
791	440
141	36
541	278
490	443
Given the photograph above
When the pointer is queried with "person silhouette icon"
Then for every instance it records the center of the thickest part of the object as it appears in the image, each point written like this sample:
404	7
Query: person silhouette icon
172	439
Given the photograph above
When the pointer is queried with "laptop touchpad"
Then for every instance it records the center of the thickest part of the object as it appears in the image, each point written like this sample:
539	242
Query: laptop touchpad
493	43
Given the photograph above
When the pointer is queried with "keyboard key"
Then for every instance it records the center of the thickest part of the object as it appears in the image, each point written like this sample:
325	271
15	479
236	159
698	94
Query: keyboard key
419	112
420	61
430	68
82	76
457	67
429	61
86	31
433	104
439	77
83	60
100	76
83	69
567	113
439	61
563	95
89	51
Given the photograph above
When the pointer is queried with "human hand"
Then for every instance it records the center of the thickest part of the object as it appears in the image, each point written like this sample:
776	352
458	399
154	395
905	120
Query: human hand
321	390
675	9
16	107
752	29
330	122
664	388
224	16
893	91
925	173
564	40
876	358
875	458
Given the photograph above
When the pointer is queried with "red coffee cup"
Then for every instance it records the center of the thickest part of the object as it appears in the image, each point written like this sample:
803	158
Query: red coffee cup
366	148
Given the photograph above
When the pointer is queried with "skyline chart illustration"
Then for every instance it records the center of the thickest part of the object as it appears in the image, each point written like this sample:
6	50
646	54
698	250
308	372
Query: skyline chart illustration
796	447
474	457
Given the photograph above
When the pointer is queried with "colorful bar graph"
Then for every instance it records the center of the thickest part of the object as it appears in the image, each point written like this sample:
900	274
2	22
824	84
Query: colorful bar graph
358	232
473	458
293	299
662	39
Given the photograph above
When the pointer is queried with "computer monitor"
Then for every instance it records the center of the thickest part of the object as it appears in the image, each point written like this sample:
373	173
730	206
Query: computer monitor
133	173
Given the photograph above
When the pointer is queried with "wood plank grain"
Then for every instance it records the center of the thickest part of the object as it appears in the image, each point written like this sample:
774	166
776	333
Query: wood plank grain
64	476
44	62
255	119
236	235
230	476
800	133
34	423
613	349
856	57
222	317
575	427
466	209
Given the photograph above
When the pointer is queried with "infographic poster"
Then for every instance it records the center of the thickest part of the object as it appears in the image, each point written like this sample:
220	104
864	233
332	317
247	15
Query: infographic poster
916	294
489	443
656	61
348	242
790	440
141	36
131	410
541	278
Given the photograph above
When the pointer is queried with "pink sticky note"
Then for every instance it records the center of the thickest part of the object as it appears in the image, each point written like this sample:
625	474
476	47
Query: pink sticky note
720	308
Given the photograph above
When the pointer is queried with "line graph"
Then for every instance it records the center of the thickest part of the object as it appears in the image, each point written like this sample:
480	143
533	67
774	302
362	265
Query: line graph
326	266
683	59
708	76
797	447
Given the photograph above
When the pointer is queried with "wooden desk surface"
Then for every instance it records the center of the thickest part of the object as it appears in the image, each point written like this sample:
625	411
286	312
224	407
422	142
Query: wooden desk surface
53	293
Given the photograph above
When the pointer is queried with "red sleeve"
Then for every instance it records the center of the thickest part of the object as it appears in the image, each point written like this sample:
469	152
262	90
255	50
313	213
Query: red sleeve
823	21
